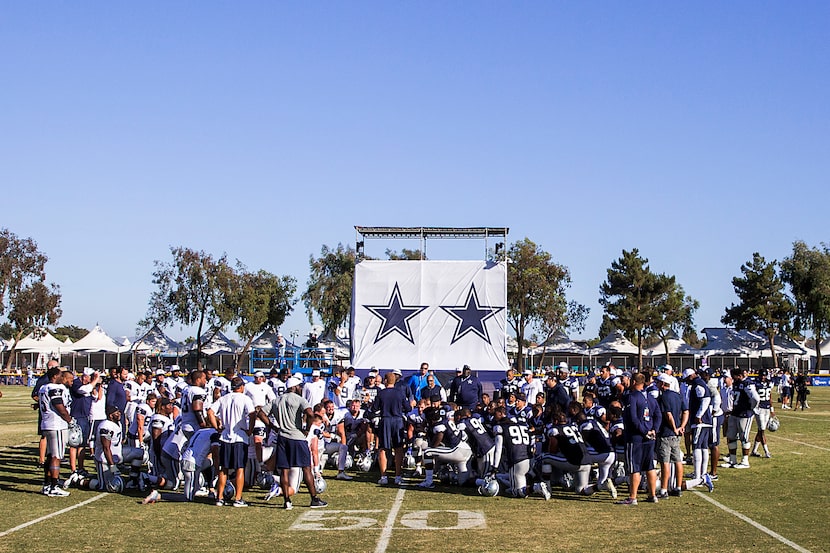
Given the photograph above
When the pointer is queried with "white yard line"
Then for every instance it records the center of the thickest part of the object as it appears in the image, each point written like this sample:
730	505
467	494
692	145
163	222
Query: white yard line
748	520
47	517
801	443
808	419
386	533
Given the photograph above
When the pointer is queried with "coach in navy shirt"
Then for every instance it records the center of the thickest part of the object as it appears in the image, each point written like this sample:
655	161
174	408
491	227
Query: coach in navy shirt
465	390
642	421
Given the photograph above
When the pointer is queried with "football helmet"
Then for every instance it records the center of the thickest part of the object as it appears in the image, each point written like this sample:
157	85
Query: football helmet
364	462
320	483
115	484
774	424
229	493
490	487
409	460
76	436
349	461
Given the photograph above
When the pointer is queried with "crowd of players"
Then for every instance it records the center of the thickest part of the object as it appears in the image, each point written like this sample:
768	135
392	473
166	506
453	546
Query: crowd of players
215	435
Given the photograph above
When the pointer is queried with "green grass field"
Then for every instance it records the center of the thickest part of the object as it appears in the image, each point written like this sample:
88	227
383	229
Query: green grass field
787	494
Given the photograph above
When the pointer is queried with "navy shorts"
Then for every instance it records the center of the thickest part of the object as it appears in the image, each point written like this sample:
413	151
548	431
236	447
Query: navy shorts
233	456
701	437
639	456
292	453
391	433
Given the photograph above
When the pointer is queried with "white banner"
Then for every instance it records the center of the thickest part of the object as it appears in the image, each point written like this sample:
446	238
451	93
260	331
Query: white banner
446	313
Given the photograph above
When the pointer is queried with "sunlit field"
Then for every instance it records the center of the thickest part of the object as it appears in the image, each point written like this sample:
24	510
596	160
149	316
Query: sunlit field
787	495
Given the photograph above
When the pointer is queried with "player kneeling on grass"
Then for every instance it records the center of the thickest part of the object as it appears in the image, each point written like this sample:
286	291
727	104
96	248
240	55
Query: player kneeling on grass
109	452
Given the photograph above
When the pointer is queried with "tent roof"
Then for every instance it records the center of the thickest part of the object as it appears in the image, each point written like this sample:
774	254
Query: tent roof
156	342
729	341
218	343
97	341
677	346
559	343
615	342
45	343
266	340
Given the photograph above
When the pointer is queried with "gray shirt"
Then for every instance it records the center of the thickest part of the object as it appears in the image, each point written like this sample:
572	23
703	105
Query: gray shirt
289	413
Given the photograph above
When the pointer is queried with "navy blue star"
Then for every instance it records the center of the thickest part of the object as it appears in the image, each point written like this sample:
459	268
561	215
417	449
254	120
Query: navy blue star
395	316
471	316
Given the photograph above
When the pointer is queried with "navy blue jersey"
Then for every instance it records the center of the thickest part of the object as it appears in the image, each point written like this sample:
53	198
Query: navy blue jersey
605	390
507	387
451	436
742	393
418	422
516	440
764	388
596	437
570	442
390	402
700	402
477	435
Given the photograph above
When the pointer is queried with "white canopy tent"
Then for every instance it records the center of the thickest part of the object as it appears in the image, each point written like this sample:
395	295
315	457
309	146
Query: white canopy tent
615	347
677	348
98	341
560	348
155	342
744	346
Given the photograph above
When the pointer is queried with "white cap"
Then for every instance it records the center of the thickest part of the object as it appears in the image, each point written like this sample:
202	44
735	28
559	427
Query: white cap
688	372
527	372
397	372
668	368
294	381
160	372
315	372
259	374
664	378
564	367
89	371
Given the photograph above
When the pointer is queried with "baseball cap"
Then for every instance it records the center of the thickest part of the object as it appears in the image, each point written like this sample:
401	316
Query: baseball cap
315	372
688	372
259	374
667	368
174	368
664	378
237	382
160	372
111	409
466	367
397	372
563	366
293	381
89	371
527	372
458	369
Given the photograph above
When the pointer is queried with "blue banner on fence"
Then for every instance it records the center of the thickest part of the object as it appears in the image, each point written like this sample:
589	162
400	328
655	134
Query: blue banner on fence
821	381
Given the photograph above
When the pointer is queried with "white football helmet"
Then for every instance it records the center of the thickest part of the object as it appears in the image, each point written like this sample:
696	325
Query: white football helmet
320	483
364	463
115	484
76	436
774	424
490	487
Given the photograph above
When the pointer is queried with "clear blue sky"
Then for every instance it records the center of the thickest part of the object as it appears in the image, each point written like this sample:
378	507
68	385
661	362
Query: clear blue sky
697	133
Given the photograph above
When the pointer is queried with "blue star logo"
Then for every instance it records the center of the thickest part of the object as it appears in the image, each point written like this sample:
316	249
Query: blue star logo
395	316
471	316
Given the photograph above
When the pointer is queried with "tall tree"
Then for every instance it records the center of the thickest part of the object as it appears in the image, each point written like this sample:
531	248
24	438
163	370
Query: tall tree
27	301
72	332
406	254
536	294
192	289
673	311
763	305
329	291
261	300
807	272
629	295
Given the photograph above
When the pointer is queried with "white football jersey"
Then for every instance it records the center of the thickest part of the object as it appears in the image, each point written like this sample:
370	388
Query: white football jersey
49	395
111	431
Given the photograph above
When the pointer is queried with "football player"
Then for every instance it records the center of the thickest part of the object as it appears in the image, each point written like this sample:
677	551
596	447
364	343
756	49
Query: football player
764	412
745	400
446	445
54	403
484	446
513	441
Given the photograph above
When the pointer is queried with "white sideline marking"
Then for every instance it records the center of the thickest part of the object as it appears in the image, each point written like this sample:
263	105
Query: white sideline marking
14	446
780	415
802	443
386	533
748	520
47	517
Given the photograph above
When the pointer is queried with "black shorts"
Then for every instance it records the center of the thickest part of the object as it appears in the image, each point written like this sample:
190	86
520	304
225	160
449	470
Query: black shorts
391	433
292	453
233	456
639	456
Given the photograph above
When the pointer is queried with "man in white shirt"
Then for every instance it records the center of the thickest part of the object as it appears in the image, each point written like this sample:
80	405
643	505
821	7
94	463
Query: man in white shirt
315	391
531	386
260	394
237	413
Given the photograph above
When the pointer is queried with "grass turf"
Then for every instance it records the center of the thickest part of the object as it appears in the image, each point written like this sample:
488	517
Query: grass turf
787	494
